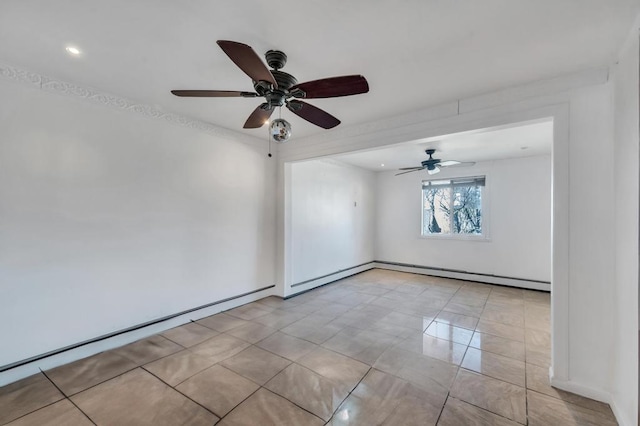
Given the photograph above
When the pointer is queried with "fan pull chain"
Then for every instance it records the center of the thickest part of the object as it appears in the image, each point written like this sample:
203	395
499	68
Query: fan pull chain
269	139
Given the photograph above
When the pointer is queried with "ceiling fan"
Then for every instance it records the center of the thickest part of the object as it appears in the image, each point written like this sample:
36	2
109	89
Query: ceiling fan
433	164
278	88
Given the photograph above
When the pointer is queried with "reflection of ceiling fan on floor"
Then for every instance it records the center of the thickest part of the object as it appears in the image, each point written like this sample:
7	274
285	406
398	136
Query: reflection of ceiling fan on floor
433	164
278	87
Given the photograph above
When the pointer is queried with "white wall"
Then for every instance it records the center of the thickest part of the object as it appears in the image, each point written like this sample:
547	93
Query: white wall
582	259
332	218
591	236
518	196
109	219
625	289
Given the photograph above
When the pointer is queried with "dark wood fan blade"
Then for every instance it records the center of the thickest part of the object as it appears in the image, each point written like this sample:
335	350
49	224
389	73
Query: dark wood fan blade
259	116
410	171
247	60
411	168
333	87
214	94
313	114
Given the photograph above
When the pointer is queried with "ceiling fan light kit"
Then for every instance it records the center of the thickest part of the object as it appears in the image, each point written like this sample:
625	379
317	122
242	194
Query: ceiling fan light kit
433	165
279	89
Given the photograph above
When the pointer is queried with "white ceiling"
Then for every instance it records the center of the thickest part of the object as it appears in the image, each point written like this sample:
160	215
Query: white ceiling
524	140
415	53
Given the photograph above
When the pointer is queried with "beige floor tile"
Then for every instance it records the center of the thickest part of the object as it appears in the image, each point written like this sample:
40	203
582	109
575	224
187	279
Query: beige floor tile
178	367
249	311
449	332
221	322
538	347
316	332
408	410
462	309
308	390
252	332
379	389
189	334
25	396
267	409
469	299
273	302
338	368
538	380
80	375
333	310
411	288
218	389
424	371
496	366
61	413
457	320
279	319
441	349
287	346
538	339
363	345
502	398
220	347
501	330
499	299
514	317
149	349
391	329
414	322
137	398
498	345
459	413
541	358
537	296
256	364
545	410
421	308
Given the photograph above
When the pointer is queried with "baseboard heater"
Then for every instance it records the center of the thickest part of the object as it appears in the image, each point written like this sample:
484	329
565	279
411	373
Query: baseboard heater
467	275
126	330
339	271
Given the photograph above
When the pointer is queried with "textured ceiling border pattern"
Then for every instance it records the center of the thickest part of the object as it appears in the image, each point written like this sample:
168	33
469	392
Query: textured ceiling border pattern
52	85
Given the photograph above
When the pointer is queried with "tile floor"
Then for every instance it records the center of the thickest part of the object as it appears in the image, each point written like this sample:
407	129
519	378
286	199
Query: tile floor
378	348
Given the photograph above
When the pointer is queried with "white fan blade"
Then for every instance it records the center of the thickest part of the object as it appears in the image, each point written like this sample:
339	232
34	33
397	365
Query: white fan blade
453	163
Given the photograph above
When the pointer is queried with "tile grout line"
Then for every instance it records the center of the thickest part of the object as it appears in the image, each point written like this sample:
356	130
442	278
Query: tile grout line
189	398
349	394
443	406
37	409
66	397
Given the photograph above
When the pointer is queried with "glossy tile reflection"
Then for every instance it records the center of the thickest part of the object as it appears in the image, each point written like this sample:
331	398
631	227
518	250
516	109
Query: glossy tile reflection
378	348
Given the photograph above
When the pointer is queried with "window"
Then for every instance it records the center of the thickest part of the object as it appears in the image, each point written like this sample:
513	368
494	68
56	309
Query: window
452	206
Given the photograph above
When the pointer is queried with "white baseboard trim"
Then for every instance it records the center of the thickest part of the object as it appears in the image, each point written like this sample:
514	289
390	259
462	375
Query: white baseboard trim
582	390
27	369
465	275
590	392
620	416
326	279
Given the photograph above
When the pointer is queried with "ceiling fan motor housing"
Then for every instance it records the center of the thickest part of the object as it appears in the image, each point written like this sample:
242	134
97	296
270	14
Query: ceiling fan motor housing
276	96
276	59
431	163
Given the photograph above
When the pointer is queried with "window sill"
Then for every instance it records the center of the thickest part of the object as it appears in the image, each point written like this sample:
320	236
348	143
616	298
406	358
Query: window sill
453	237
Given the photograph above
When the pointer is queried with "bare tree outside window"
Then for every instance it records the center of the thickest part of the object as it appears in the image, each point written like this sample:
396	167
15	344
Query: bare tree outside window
452	206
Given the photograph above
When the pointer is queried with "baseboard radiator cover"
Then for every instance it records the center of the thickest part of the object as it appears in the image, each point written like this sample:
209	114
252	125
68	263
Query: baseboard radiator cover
18	370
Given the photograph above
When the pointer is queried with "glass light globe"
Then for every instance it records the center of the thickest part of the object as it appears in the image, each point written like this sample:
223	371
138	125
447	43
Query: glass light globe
280	130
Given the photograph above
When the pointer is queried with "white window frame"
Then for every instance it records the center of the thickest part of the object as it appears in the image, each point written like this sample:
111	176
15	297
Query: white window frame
484	236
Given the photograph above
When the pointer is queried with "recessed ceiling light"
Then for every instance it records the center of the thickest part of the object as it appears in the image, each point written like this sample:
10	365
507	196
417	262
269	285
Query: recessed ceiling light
382	165
72	50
